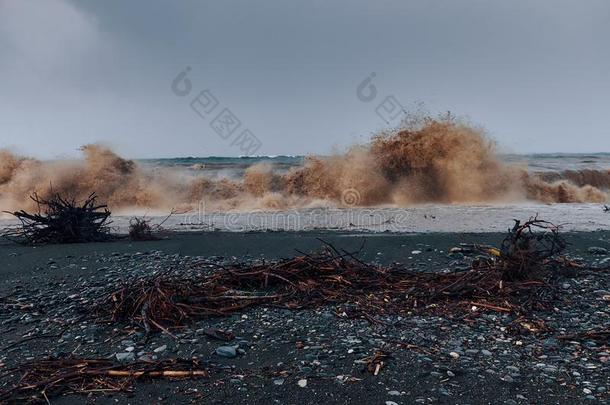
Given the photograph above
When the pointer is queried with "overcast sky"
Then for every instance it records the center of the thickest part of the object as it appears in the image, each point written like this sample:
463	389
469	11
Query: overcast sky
535	74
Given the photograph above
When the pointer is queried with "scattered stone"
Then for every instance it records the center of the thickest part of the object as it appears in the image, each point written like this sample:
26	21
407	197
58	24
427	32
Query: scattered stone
596	250
227	351
160	349
316	344
125	357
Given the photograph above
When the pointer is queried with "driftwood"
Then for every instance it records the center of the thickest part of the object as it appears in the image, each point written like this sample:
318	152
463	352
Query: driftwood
512	279
602	335
44	379
528	247
62	220
142	229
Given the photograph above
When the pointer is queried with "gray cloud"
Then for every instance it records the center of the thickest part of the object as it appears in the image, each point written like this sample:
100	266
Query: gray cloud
534	73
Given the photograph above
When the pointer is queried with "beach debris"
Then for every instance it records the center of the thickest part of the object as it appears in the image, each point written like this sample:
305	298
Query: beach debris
62	220
376	361
602	335
524	326
142	229
42	380
218	334
528	247
606	208
512	281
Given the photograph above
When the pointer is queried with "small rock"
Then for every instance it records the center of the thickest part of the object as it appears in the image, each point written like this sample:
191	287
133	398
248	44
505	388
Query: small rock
596	250
278	381
550	343
227	351
125	356
160	349
454	355
302	383
394	393
486	353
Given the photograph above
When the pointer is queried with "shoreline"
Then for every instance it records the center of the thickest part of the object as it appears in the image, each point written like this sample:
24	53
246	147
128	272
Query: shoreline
419	219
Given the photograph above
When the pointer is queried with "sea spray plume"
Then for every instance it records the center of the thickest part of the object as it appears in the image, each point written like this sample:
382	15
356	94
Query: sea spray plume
439	160
561	191
118	181
327	178
16	172
584	177
9	163
260	179
444	161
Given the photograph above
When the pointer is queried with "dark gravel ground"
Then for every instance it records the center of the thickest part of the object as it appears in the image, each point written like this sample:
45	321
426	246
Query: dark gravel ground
312	356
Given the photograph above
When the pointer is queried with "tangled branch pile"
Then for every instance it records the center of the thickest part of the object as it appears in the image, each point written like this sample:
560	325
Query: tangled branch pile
528	247
62	220
51	377
173	298
142	229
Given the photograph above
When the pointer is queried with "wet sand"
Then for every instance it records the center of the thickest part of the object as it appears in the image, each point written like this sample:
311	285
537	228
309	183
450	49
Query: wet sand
22	261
